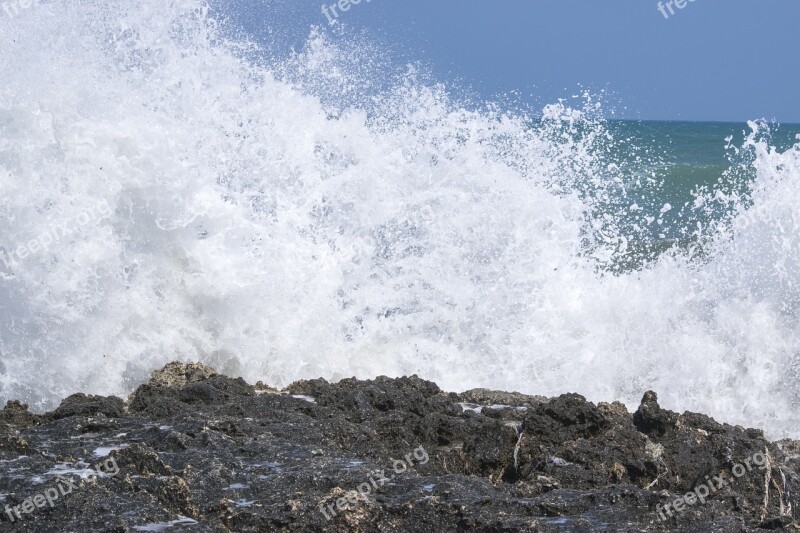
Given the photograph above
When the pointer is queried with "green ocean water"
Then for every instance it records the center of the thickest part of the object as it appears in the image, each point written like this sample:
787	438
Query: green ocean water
695	153
666	165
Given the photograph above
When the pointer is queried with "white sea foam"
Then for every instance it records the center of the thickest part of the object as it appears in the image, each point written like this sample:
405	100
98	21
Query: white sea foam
262	226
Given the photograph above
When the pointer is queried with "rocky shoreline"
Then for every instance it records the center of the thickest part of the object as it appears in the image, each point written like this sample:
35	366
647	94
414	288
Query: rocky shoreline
193	450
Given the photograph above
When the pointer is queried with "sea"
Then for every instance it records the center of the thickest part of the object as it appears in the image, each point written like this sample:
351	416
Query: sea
173	189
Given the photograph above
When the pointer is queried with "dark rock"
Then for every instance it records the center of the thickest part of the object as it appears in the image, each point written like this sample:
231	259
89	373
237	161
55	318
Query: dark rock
198	451
650	419
82	405
17	414
494	398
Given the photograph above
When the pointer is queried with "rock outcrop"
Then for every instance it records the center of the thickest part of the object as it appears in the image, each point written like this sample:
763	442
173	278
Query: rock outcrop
198	451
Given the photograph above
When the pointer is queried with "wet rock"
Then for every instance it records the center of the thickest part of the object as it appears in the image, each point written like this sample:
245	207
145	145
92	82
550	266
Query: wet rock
199	385
500	398
16	414
198	451
650	419
11	443
181	374
82	405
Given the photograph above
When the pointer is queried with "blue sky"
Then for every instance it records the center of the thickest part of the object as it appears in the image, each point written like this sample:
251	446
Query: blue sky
727	60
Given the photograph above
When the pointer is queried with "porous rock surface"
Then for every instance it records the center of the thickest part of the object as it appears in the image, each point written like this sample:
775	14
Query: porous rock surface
199	451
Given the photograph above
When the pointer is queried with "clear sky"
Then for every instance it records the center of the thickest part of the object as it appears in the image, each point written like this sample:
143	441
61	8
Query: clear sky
727	60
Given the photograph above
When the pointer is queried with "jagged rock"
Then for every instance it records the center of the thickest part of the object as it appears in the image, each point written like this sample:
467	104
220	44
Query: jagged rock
500	398
192	384
196	450
177	374
82	405
650	419
17	414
